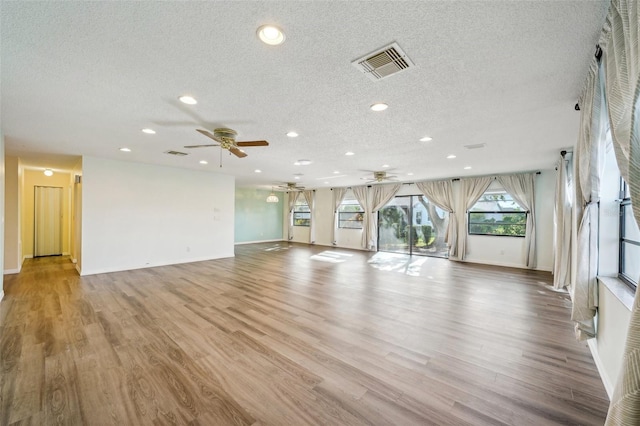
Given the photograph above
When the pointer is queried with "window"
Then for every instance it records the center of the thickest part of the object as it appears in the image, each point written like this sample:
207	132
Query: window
496	213
629	267
301	212
350	213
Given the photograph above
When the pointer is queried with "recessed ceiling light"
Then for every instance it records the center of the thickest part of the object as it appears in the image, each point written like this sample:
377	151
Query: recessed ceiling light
292	134
349	153
125	150
467	168
379	107
302	163
426	139
149	131
258	171
384	166
204	162
336	172
271	35
296	177
410	174
189	100
450	156
326	183
48	172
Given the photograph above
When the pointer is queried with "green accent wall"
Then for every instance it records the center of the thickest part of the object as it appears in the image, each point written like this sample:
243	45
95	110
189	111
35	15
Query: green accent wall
255	219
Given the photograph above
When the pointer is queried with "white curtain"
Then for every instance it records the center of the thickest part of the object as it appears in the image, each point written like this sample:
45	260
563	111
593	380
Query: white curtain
379	196
338	196
362	195
620	42
310	197
292	198
440	193
562	227
521	186
589	163
470	192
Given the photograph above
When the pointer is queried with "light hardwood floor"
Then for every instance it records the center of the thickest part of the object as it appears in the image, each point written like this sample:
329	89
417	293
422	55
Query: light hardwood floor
287	334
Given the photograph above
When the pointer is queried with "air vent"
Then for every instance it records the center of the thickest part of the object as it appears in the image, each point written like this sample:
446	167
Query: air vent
383	62
475	146
178	153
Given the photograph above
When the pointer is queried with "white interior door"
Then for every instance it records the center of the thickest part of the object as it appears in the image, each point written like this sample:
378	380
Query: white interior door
47	221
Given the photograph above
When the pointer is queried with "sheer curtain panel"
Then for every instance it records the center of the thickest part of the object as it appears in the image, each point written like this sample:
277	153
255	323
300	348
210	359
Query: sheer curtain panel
379	195
338	195
620	43
562	227
521	186
470	191
310	197
292	198
589	159
440	193
362	195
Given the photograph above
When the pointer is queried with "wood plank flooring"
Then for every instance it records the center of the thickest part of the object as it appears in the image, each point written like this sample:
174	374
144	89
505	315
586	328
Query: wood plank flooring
287	334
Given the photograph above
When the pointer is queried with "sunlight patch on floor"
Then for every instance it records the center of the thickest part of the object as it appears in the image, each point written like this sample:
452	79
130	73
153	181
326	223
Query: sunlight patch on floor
331	256
396	262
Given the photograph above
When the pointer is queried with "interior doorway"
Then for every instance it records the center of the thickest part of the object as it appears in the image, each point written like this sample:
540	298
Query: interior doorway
410	224
47	231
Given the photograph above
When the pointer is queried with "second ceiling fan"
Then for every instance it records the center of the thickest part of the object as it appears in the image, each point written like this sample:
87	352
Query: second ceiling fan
226	139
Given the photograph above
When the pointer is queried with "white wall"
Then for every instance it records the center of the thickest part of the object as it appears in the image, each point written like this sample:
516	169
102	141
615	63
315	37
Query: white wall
615	298
2	204
138	215
12	252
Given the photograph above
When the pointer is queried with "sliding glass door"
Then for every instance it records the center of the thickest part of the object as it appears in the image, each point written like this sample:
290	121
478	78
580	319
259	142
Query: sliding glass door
410	224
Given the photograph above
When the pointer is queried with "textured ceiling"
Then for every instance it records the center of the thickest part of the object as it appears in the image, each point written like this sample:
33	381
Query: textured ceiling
83	78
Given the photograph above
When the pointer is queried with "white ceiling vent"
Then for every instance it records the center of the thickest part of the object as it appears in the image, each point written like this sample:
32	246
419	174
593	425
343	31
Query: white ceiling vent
178	153
383	62
475	146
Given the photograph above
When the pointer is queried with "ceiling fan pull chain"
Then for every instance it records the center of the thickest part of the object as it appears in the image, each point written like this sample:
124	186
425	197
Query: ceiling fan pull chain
220	157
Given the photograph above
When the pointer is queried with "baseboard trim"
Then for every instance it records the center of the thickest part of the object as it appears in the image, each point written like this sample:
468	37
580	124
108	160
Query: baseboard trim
606	381
259	241
11	271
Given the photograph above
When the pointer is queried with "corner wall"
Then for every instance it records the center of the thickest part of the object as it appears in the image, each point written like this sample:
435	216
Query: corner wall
139	215
12	250
255	219
2	176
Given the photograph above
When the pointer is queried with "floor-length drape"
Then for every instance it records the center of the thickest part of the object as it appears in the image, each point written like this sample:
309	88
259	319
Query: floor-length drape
338	195
620	43
521	186
440	193
562	227
362	195
379	195
292	198
470	192
310	197
589	162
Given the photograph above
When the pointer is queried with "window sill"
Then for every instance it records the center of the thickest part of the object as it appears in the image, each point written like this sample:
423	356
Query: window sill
619	289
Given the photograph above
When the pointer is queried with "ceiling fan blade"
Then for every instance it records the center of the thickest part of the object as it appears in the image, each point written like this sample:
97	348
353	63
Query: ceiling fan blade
253	143
208	134
200	146
237	152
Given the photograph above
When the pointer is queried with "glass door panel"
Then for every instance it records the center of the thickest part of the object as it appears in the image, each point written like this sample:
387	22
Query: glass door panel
393	226
412	225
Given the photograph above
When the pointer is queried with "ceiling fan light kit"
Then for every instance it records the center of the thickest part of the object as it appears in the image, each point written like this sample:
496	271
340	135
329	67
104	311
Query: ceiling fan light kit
226	139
